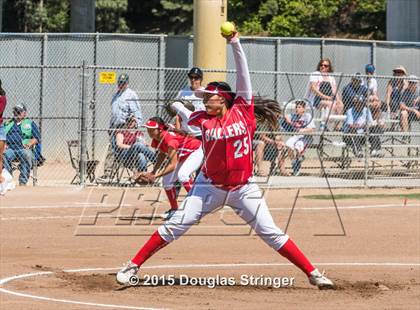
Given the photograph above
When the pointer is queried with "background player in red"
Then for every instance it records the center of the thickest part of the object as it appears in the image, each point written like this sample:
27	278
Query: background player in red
5	177
185	157
227	126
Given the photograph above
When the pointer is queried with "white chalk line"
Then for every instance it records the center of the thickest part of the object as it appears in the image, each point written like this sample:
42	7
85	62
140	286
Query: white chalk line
180	266
53	217
81	205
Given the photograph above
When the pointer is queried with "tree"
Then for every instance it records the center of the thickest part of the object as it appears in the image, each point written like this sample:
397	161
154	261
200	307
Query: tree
160	16
36	16
315	18
110	16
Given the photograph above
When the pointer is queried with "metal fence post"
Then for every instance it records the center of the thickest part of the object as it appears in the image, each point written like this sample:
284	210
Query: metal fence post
161	74
321	49
93	101
83	129
277	89
373	54
367	156
41	88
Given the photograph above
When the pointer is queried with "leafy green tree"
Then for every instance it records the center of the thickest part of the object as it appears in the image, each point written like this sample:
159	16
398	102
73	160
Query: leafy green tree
342	18
303	18
36	16
110	16
160	16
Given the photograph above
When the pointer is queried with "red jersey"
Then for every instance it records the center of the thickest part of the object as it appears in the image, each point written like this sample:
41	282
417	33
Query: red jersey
3	102
183	145
130	137
227	143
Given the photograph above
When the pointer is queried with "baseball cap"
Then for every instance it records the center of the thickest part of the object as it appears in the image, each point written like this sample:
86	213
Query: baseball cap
20	107
196	71
369	68
400	68
413	79
123	78
357	76
216	88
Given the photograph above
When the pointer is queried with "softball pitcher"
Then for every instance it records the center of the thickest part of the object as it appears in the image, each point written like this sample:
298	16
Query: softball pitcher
227	126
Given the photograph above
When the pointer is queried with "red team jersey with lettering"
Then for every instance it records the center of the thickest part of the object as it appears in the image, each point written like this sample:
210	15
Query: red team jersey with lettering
183	145
227	143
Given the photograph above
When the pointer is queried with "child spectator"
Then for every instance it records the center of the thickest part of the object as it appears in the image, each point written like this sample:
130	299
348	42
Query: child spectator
370	82
302	123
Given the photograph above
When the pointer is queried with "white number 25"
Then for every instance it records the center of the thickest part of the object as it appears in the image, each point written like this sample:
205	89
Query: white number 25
241	147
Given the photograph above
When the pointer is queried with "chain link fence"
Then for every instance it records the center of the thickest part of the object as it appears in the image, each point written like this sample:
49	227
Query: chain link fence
72	110
56	77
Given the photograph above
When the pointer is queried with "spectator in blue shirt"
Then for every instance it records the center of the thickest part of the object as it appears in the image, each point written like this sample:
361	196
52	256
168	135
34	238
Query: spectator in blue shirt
358	118
354	88
22	134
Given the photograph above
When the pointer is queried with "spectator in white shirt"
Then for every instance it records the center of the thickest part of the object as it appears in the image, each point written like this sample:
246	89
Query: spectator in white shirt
322	90
195	76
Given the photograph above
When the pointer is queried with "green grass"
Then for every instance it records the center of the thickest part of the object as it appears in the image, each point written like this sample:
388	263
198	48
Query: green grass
415	196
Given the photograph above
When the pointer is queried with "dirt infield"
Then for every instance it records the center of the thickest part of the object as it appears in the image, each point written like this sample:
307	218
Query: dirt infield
44	231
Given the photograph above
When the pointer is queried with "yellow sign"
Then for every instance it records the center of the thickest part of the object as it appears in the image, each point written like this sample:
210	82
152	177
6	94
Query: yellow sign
107	77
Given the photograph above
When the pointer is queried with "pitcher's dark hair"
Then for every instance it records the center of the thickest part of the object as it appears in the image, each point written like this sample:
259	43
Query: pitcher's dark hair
2	92
268	111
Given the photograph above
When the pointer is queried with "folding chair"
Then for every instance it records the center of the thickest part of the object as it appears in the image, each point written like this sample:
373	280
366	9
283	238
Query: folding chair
74	153
35	164
117	172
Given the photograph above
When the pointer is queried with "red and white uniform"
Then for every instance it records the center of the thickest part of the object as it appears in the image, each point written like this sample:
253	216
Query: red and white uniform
227	144
184	145
226	177
228	160
190	156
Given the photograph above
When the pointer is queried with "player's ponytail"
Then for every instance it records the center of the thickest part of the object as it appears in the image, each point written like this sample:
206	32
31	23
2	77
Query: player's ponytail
267	111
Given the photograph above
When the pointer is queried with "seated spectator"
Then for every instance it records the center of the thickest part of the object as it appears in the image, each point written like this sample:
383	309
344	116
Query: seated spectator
322	91
375	104
358	118
270	147
377	127
302	123
394	90
130	148
22	134
410	103
354	88
370	82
